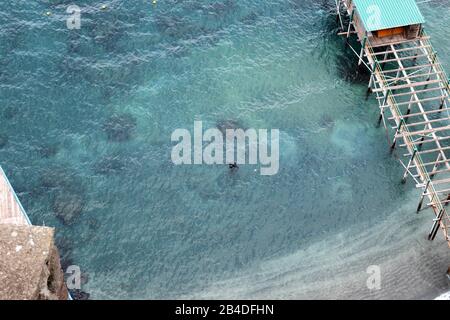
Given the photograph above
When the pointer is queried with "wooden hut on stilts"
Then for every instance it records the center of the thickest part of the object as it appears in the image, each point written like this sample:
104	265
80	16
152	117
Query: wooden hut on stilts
413	93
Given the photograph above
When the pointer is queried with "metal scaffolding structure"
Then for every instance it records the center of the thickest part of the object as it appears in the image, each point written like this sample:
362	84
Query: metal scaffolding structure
413	93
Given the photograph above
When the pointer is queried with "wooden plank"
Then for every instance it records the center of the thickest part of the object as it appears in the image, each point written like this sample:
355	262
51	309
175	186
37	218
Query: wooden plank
441	191
423	132
402	94
399	50
405	116
400	42
403	58
411	76
433	150
420	101
422	66
405	86
415	143
432	163
441	201
345	33
426	122
437	182
433	173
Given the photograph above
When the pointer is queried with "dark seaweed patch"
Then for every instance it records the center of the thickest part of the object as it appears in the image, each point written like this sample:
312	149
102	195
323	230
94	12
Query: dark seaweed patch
67	206
65	248
57	178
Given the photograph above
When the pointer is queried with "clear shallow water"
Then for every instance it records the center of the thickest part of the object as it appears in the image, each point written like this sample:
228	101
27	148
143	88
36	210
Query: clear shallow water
88	115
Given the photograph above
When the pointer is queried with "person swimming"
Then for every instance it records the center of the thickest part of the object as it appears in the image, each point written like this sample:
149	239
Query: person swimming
233	165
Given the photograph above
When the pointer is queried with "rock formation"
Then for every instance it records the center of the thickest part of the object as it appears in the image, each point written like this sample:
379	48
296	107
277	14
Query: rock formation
29	264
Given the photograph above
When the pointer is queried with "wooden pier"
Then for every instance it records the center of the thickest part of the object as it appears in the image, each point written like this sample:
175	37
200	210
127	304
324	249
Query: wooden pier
11	211
413	93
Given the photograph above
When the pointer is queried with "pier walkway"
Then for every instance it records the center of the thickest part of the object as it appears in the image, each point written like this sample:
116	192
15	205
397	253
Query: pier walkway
11	211
413	94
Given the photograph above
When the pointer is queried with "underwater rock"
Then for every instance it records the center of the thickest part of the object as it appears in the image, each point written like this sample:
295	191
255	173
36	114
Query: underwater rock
66	262
79	295
56	177
47	151
120	127
67	207
63	244
65	252
3	141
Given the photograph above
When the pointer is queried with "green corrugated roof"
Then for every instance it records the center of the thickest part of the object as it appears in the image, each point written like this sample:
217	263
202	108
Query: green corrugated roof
386	14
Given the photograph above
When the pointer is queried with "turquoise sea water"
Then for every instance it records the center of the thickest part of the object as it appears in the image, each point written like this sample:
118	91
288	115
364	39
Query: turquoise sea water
85	123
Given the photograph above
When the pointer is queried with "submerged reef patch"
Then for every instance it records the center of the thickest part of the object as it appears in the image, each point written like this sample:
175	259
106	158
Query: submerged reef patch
57	177
65	248
79	294
67	207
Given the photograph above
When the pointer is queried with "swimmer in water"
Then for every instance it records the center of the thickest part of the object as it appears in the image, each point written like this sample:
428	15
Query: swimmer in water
233	165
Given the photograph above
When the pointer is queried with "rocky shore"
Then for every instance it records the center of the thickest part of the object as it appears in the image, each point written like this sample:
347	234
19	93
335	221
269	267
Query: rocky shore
30	268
